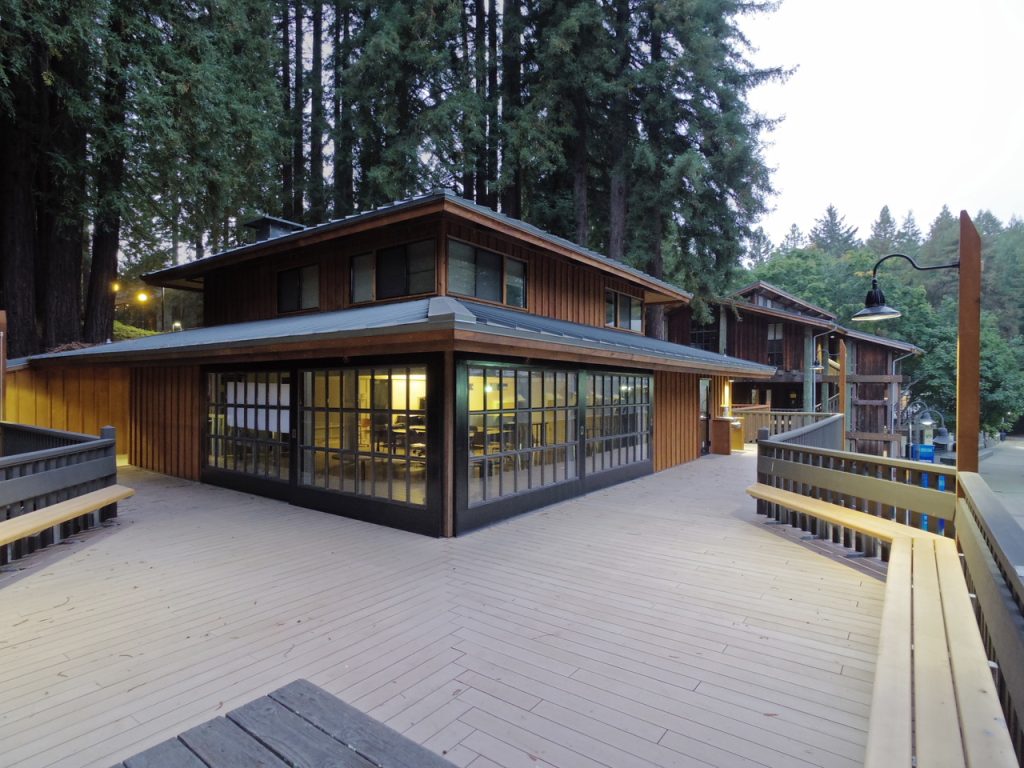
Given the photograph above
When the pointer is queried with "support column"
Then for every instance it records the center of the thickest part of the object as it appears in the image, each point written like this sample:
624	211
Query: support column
808	369
968	349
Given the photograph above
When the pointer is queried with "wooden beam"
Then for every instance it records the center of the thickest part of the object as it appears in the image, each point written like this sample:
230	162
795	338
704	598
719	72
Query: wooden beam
842	379
968	349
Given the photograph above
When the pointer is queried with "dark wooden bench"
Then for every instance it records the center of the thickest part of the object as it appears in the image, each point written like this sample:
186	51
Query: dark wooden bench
298	725
49	519
934	700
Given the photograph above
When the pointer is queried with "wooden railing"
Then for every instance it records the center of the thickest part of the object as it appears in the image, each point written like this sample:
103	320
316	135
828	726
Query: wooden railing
992	543
51	467
923	496
776	422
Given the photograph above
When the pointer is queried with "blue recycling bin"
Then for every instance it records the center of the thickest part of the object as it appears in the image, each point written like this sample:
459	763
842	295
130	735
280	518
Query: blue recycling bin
926	453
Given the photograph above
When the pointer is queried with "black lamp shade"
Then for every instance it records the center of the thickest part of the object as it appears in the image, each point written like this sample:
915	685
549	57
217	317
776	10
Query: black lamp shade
875	307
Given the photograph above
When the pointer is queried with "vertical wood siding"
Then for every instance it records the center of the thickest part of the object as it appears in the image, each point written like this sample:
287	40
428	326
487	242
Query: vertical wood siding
79	399
676	418
167	419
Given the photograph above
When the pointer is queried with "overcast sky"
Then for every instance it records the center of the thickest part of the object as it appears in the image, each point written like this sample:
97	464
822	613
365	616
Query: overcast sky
907	103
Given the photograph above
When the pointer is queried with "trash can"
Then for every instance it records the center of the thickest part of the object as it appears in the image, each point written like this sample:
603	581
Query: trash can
925	453
721	429
736	440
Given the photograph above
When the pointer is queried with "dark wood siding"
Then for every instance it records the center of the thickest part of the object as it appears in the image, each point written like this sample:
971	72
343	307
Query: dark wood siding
167	420
248	291
556	286
748	339
676	418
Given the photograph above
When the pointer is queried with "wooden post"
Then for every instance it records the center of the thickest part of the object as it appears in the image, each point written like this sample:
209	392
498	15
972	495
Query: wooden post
968	350
842	385
447	384
3	365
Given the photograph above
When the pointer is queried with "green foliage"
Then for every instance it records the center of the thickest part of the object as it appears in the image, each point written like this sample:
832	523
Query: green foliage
123	332
831	234
927	301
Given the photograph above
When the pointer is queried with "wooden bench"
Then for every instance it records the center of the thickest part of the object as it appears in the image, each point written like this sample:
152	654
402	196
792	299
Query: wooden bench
297	725
50	518
934	701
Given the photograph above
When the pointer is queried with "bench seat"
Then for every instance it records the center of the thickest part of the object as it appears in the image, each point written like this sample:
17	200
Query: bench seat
934	700
31	523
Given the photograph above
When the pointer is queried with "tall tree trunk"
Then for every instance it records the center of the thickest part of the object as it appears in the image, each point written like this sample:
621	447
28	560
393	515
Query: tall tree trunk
317	128
343	175
511	102
298	118
287	170
621	134
17	222
106	233
480	56
468	160
492	105
580	170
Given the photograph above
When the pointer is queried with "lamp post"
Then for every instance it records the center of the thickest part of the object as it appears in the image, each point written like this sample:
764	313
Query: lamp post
968	347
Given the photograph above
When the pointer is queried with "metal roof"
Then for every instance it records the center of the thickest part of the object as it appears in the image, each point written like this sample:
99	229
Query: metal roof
178	274
437	313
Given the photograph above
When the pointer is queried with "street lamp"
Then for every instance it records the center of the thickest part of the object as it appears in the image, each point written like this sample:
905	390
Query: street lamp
968	354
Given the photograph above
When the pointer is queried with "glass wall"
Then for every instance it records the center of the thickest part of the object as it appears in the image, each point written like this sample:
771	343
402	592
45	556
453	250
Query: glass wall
618	421
364	431
249	422
522	430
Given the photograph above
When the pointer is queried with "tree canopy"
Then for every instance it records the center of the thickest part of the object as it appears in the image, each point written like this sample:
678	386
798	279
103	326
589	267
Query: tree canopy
140	134
839	281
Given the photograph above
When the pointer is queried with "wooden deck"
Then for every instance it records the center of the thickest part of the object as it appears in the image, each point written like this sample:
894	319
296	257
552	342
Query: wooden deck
656	623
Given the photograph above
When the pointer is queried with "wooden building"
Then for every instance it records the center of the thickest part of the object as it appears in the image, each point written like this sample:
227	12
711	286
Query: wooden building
430	365
812	355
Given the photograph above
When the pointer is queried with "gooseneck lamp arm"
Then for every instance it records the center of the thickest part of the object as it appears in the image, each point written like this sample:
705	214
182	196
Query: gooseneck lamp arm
875	307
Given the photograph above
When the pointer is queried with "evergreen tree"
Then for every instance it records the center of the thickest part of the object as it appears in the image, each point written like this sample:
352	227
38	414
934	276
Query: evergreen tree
884	234
908	236
759	248
793	240
831	234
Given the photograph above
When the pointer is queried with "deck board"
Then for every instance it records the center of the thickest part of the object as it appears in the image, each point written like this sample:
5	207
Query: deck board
656	623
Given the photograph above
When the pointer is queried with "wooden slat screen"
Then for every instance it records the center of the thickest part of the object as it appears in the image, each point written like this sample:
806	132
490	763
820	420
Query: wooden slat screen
676	419
167	418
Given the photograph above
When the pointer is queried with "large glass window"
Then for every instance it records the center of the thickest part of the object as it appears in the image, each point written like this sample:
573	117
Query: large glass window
248	422
364	431
522	430
622	311
405	270
486	275
618	421
298	289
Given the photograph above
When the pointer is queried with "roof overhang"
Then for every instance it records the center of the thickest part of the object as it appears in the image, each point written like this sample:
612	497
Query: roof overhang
190	276
437	324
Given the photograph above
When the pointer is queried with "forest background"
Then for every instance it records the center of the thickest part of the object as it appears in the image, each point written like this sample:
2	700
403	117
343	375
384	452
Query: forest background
137	134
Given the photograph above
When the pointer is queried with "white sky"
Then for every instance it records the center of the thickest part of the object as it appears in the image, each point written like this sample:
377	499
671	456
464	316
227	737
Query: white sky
907	103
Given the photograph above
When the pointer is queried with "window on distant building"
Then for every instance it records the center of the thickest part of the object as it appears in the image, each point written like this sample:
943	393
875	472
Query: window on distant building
706	336
486	275
298	289
775	349
405	270
622	311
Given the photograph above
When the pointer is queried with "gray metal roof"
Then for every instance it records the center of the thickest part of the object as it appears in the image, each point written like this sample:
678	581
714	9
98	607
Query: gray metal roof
443	312
196	268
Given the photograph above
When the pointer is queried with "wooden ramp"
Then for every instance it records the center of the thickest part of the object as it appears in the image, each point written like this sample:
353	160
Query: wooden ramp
650	624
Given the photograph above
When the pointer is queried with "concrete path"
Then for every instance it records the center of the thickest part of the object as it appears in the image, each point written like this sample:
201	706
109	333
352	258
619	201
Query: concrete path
1003	470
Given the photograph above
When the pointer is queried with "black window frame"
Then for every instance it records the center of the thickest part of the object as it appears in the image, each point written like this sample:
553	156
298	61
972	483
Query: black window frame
623	305
376	272
296	289
775	346
505	259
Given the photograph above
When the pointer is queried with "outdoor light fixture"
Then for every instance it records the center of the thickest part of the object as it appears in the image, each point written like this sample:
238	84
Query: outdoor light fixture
875	307
968	357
